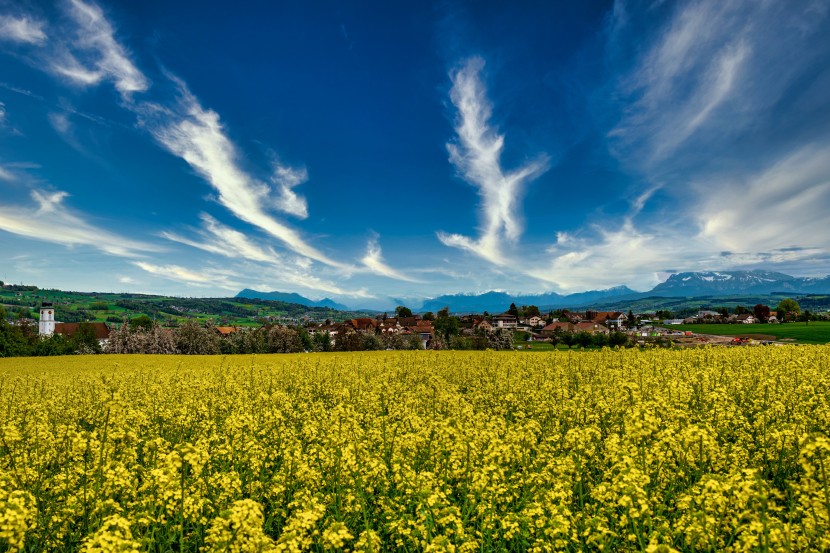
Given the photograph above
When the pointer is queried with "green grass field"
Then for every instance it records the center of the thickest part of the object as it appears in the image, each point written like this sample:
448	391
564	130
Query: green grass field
814	333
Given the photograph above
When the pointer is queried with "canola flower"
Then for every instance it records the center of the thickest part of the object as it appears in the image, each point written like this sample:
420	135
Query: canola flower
614	450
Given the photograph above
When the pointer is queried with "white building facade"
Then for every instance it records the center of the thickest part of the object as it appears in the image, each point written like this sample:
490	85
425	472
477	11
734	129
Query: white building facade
46	326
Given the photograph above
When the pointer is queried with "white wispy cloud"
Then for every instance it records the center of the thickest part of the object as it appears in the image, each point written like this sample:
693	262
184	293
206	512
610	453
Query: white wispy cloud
94	54
223	240
476	154
207	277
23	29
60	122
293	271
196	135
286	178
5	174
373	260
51	221
783	206
681	81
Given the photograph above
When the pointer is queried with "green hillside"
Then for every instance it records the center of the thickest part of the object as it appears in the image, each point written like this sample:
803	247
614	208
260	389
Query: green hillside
113	308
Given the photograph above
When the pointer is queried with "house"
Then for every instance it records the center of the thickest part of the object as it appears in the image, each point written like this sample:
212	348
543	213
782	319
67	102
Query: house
409	321
673	322
323	328
608	318
592	328
363	325
535	321
574	317
505	320
67	330
389	326
746	318
424	330
550	329
225	330
483	325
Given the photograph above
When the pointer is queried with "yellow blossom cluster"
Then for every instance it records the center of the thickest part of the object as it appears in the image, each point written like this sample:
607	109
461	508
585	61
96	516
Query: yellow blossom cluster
613	450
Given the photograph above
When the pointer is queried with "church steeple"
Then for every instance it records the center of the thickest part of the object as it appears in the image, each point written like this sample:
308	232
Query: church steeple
46	326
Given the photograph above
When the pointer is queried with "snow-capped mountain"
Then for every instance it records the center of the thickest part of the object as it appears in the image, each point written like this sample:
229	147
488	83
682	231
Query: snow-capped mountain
710	283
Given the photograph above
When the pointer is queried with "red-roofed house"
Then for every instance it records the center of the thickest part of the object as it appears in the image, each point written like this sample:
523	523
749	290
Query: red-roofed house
558	327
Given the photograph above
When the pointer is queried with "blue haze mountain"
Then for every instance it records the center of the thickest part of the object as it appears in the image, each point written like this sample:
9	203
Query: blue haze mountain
712	283
680	285
291	297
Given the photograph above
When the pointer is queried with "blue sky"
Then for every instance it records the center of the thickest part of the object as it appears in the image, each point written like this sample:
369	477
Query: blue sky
373	152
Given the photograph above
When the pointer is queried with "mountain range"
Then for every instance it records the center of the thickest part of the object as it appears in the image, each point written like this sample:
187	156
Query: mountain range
291	297
679	285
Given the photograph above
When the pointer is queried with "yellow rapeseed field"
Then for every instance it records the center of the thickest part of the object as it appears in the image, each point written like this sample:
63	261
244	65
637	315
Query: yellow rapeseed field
694	450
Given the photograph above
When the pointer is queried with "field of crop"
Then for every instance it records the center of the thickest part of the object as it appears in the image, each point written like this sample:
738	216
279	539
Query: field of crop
816	332
660	450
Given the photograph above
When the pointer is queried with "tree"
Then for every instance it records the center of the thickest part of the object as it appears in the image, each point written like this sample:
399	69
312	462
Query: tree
84	340
513	310
142	321
284	340
761	312
584	339
617	339
600	339
13	342
806	316
322	341
531	311
447	327
663	314
414	342
428	316
500	339
741	310
372	342
194	339
402	311
631	320
348	340
787	306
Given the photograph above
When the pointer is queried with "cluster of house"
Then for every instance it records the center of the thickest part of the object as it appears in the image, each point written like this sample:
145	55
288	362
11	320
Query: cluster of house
592	322
706	316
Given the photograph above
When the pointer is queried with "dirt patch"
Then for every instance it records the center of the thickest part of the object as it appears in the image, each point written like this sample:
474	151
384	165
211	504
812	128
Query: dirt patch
762	337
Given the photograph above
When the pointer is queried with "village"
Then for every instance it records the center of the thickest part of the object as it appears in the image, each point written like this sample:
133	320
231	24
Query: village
517	328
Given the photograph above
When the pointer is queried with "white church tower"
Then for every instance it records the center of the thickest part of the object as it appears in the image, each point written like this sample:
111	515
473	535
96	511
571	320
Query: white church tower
46	326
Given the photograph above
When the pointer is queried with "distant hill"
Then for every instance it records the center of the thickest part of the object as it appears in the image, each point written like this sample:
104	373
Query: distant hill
291	297
497	302
707	286
712	283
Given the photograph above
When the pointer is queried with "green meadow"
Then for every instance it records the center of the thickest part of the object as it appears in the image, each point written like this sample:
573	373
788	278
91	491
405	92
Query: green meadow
815	332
